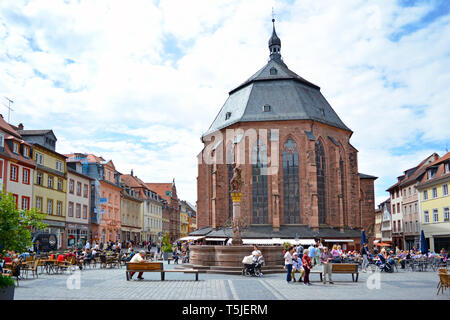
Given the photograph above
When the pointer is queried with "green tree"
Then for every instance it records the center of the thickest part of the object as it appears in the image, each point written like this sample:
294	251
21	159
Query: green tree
166	245
16	224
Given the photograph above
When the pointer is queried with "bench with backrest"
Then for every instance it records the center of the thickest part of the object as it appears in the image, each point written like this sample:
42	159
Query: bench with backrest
154	267
349	268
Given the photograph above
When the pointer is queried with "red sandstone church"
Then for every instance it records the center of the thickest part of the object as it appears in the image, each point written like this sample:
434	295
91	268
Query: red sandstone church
300	175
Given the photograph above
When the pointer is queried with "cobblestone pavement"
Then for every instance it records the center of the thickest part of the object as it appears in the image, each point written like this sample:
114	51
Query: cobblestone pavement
100	284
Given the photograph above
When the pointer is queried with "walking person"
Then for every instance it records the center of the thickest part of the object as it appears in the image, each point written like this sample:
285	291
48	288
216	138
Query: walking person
312	252
365	255
307	265
288	263
317	256
326	259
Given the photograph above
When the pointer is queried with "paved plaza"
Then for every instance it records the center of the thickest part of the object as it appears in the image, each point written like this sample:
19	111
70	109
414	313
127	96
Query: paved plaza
97	284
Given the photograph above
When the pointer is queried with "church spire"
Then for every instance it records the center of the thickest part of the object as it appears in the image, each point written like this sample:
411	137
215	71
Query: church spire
274	44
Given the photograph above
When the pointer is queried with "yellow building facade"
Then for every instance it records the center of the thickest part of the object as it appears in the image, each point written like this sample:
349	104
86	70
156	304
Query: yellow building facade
50	185
435	203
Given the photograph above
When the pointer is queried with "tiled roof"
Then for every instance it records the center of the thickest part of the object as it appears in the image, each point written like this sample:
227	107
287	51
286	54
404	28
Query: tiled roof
160	188
132	181
5	126
19	157
440	173
418	170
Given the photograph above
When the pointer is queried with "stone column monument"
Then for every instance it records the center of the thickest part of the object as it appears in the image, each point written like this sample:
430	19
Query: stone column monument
236	196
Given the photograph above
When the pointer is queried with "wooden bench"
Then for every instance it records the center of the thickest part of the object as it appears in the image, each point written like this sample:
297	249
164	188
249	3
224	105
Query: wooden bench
154	267
350	268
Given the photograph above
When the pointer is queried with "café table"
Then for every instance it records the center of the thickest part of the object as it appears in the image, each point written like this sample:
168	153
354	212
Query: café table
50	265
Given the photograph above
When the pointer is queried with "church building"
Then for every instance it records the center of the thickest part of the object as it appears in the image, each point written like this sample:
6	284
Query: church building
299	170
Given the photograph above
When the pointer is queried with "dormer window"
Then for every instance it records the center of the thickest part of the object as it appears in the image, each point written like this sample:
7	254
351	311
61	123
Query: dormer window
273	71
447	167
26	151
431	173
266	108
227	115
15	147
2	140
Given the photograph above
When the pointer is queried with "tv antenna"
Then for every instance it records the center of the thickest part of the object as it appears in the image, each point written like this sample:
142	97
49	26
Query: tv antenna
9	106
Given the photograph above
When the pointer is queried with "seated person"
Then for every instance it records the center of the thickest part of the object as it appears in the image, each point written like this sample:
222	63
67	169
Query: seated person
139	258
24	256
297	267
88	257
60	258
175	256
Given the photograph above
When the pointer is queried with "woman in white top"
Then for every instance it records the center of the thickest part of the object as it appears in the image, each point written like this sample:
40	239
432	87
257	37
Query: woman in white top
288	263
256	253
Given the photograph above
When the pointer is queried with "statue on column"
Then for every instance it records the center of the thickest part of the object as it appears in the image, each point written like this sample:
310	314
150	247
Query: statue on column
236	180
236	195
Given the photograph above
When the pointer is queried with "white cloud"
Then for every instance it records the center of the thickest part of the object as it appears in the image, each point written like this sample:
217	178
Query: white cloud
104	81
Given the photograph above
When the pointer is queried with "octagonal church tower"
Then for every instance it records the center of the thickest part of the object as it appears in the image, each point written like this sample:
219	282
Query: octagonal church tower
299	170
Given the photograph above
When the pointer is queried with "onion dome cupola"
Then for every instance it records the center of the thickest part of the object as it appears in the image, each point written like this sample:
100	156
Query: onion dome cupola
274	44
275	93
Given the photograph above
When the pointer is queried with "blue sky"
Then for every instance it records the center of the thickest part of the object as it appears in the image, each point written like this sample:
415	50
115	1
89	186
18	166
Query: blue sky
140	83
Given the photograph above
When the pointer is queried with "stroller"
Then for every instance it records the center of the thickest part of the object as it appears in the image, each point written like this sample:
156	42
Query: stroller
386	266
251	267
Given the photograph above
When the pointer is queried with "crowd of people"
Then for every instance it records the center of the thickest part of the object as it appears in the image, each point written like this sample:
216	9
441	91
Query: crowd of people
301	260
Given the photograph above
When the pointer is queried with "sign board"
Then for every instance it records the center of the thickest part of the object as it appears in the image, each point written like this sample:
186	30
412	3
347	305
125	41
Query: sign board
103	200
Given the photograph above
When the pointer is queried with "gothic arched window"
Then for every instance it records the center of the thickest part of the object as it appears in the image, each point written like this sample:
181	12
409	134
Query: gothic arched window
321	189
259	184
341	168
291	192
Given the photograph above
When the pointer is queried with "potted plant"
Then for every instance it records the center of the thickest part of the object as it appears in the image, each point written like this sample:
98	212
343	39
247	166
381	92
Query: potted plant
6	288
166	246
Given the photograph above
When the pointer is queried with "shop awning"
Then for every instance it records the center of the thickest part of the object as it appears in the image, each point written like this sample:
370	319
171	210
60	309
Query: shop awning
293	241
338	240
216	239
257	241
190	238
278	241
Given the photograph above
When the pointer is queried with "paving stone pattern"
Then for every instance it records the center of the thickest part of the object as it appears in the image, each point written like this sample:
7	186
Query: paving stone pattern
98	284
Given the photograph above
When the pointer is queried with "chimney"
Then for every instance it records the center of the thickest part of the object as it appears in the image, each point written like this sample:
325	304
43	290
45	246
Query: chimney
20	126
131	172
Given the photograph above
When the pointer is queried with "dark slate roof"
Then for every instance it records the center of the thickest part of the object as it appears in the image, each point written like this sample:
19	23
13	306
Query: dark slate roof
366	176
201	232
285	231
33	132
290	96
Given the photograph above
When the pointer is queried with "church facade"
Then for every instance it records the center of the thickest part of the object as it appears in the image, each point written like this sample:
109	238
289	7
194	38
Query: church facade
299	170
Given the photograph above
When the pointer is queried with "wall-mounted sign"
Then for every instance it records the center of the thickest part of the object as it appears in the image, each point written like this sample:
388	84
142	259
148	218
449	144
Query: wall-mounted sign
103	200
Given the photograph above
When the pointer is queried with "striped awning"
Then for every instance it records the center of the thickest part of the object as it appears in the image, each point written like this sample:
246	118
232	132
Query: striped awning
190	238
216	239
